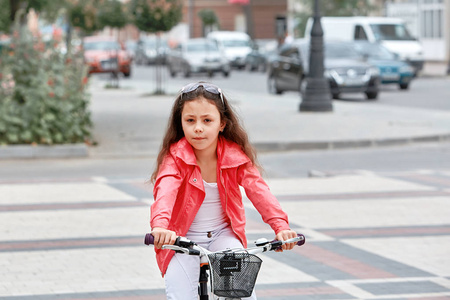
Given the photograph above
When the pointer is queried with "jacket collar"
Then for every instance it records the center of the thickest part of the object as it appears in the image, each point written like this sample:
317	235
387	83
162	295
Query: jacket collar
184	151
229	154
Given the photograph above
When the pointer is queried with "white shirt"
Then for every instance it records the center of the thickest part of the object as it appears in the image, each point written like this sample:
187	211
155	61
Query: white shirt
210	216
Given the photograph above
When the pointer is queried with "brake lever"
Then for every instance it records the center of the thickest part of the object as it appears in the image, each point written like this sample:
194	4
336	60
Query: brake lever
176	249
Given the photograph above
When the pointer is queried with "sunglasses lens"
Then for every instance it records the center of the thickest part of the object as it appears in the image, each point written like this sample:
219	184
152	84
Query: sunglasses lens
212	89
209	88
190	87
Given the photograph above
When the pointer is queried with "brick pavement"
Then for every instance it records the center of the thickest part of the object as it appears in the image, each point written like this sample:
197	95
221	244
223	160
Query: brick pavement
369	236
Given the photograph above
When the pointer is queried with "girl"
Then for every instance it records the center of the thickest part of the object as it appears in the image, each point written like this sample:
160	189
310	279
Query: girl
204	158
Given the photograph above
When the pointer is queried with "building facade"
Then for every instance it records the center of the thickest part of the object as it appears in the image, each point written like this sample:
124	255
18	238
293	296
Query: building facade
429	21
261	19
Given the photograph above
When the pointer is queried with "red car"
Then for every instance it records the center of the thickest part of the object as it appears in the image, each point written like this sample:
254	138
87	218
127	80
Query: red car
106	55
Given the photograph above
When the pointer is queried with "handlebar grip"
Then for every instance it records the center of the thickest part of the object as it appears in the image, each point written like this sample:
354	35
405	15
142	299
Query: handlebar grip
149	239
302	241
299	243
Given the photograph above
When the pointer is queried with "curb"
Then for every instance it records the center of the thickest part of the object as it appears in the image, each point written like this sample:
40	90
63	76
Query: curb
346	144
43	151
82	150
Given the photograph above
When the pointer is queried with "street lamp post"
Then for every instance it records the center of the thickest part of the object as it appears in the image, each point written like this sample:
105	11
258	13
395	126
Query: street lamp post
316	96
191	18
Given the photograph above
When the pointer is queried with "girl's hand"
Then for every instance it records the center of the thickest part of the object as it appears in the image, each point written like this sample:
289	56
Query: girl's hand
286	235
163	237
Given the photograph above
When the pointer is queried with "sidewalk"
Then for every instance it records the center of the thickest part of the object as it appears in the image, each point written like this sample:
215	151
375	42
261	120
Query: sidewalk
130	123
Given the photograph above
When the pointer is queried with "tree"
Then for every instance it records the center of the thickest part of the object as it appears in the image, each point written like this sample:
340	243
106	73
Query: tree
83	14
9	9
111	14
5	20
156	16
209	19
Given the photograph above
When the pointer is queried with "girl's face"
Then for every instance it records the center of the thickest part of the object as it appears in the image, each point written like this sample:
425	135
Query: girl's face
201	123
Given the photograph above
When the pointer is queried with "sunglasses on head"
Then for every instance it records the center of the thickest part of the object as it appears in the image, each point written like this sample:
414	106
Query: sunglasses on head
207	86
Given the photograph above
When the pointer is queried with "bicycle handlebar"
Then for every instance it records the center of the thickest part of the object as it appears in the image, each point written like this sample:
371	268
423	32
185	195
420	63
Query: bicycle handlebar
185	243
149	239
180	241
276	244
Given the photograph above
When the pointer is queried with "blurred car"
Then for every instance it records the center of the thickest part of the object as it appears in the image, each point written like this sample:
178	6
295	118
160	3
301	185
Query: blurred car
131	47
5	44
392	69
235	46
150	51
345	69
258	58
106	55
198	55
286	71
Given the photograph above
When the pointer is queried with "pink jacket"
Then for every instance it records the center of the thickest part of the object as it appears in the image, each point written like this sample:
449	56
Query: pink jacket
179	193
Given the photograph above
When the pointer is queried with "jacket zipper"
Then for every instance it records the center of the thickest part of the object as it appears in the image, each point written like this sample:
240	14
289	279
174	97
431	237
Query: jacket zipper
226	203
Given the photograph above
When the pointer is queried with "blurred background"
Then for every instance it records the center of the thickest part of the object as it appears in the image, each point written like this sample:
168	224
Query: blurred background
378	43
86	88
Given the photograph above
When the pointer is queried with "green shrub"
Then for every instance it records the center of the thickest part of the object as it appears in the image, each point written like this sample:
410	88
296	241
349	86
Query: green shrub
43	94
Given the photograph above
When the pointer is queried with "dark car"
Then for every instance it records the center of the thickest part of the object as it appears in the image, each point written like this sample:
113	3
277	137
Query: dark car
392	69
345	69
150	51
262	51
286	70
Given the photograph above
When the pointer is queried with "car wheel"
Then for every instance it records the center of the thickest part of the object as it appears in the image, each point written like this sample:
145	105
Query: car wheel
171	71
335	95
226	73
262	67
404	86
272	86
372	95
187	72
138	61
249	67
127	74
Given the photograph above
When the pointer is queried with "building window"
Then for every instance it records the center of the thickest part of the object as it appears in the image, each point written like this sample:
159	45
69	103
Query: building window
432	20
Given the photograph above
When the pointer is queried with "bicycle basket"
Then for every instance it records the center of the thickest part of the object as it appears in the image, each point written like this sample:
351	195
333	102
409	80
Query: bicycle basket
234	274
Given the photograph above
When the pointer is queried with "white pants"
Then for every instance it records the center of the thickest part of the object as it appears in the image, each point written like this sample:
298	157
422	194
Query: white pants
184	270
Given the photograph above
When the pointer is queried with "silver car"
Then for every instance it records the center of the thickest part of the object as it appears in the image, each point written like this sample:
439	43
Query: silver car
151	51
197	55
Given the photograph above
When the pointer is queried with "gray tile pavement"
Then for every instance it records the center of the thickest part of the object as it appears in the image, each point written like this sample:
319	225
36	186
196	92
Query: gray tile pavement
368	237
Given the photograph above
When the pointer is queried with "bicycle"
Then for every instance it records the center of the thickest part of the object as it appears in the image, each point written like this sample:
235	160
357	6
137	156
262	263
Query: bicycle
234	271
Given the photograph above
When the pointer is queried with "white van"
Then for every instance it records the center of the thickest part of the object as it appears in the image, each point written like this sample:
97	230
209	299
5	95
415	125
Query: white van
390	32
235	45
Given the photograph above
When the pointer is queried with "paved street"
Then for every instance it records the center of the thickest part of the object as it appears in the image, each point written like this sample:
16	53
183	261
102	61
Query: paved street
74	228
368	237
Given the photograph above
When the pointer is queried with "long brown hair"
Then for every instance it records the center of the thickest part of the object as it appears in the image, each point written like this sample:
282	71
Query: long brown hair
233	130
